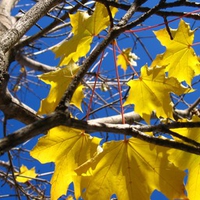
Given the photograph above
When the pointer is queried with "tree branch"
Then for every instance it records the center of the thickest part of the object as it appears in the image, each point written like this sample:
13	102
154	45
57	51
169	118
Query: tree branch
114	32
137	131
5	10
35	65
13	35
48	28
133	8
32	130
13	108
161	13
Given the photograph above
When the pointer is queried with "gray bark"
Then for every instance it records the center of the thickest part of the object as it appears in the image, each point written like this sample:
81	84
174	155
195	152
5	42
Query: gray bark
10	35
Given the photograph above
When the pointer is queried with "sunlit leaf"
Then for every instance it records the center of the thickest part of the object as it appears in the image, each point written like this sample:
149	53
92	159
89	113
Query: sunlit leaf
25	174
100	19
179	57
78	97
126	58
151	92
84	28
70	198
189	161
67	148
71	50
59	81
130	169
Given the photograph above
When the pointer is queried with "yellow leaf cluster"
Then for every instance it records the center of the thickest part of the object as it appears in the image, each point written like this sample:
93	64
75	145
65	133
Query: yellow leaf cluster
25	174
179	57
130	169
115	169
59	81
188	161
151	92
67	148
85	27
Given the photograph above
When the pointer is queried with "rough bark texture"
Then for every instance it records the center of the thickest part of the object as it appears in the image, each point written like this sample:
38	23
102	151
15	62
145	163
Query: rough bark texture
11	34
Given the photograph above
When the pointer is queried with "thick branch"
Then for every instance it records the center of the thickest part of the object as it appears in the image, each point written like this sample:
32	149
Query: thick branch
6	6
13	35
13	108
49	27
162	13
130	12
130	118
5	10
59	118
126	129
138	132
31	131
33	64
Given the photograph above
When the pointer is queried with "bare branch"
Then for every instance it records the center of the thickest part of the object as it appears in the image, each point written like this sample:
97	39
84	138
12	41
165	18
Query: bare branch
130	118
187	113
32	130
59	118
33	64
5	10
13	108
25	22
48	28
162	13
130	12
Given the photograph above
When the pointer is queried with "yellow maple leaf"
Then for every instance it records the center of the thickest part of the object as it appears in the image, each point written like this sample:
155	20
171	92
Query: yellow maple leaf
73	49
151	92
179	57
126	58
84	28
70	197
59	81
130	169
78	97
189	161
67	148
25	174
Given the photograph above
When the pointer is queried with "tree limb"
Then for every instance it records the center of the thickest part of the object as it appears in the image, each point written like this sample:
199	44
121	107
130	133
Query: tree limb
60	118
161	13
32	130
13	35
48	28
33	64
13	108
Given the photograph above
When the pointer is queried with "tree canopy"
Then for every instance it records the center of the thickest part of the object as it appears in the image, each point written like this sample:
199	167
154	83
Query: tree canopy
107	91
